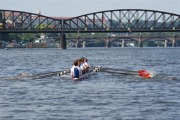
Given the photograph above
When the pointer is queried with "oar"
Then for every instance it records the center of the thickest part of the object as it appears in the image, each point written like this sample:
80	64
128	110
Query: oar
116	69
35	76
142	73
50	74
145	74
119	72
122	70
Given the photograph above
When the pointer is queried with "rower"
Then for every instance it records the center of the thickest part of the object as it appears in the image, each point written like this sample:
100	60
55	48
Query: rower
81	62
85	64
75	70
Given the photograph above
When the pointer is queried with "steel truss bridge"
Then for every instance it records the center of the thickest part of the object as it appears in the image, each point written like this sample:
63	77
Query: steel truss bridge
119	20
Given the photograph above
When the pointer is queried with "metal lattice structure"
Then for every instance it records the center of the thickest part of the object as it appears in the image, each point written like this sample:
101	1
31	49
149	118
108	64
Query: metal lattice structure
125	20
18	21
121	20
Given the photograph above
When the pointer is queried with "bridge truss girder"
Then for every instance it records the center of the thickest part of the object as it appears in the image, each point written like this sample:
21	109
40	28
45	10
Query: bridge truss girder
120	20
18	22
125	20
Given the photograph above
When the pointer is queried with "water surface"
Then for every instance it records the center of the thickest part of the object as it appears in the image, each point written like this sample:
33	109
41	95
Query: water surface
102	96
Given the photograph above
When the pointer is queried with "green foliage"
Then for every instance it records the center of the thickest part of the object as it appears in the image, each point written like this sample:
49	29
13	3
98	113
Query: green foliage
4	36
86	35
42	26
27	37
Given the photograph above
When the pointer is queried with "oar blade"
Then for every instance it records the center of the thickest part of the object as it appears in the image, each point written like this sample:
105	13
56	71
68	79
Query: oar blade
145	74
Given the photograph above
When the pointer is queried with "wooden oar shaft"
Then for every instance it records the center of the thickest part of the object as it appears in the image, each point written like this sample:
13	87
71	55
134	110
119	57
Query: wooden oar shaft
119	72
123	70
34	76
117	69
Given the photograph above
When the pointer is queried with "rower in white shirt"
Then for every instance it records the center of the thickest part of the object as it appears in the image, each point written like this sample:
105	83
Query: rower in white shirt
84	65
76	72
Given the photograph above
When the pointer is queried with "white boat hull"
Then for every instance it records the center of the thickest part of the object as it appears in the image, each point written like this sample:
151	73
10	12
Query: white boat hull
67	75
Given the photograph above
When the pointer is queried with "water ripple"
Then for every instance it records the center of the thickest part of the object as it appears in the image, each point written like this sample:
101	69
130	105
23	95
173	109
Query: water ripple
100	96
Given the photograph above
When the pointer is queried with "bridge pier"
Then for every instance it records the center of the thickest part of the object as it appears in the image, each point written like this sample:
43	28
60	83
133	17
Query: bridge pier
174	42
140	42
63	41
84	44
123	43
108	44
78	43
165	43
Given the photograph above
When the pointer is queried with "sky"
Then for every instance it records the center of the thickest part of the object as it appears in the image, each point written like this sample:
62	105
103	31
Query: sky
73	8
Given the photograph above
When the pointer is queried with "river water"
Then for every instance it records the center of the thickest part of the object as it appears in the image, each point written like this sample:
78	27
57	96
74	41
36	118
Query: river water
101	96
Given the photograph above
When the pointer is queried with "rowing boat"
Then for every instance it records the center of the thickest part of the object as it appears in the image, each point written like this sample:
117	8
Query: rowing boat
66	74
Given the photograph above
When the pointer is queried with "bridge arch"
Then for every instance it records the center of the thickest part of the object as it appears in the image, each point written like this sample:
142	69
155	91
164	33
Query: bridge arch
20	21
119	20
125	20
159	41
124	41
